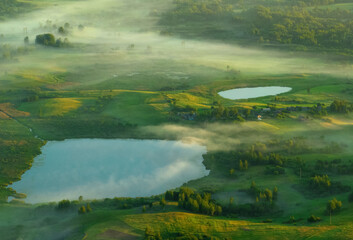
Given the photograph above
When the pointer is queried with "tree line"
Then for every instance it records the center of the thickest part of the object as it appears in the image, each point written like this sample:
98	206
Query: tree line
281	22
195	202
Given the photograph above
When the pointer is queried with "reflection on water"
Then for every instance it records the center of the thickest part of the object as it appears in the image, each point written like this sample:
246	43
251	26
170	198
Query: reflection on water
97	168
246	93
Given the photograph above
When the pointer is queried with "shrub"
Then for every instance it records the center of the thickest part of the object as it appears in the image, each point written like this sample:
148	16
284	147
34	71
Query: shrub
313	218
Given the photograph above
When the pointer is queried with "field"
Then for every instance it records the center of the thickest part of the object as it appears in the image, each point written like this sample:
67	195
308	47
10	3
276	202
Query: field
131	224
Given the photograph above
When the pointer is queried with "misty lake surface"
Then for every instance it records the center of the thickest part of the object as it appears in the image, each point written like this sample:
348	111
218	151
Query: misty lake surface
246	93
101	168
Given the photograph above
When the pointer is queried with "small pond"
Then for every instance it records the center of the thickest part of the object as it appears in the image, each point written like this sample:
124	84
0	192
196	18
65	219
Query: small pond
246	93
100	168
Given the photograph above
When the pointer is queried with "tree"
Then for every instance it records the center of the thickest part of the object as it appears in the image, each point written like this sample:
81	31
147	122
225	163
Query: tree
248	113
26	40
212	210
268	194
80	198
231	201
144	209
219	210
194	205
333	206
82	210
253	185
275	193
88	208
163	202
61	31
241	165
246	165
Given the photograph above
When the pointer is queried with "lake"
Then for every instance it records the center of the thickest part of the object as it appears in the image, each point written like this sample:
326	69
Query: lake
246	93
101	168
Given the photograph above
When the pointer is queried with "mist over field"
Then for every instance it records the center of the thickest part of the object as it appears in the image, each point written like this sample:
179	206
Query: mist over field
112	27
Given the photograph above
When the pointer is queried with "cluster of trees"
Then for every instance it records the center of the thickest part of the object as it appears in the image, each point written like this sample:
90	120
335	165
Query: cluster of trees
257	157
341	106
322	186
264	202
320	182
12	7
263	195
321	167
333	166
64	204
283	22
314	2
256	154
49	40
217	112
195	202
113	203
338	106
194	8
298	25
318	110
85	209
295	145
8	52
64	29
279	154
314	218
124	203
